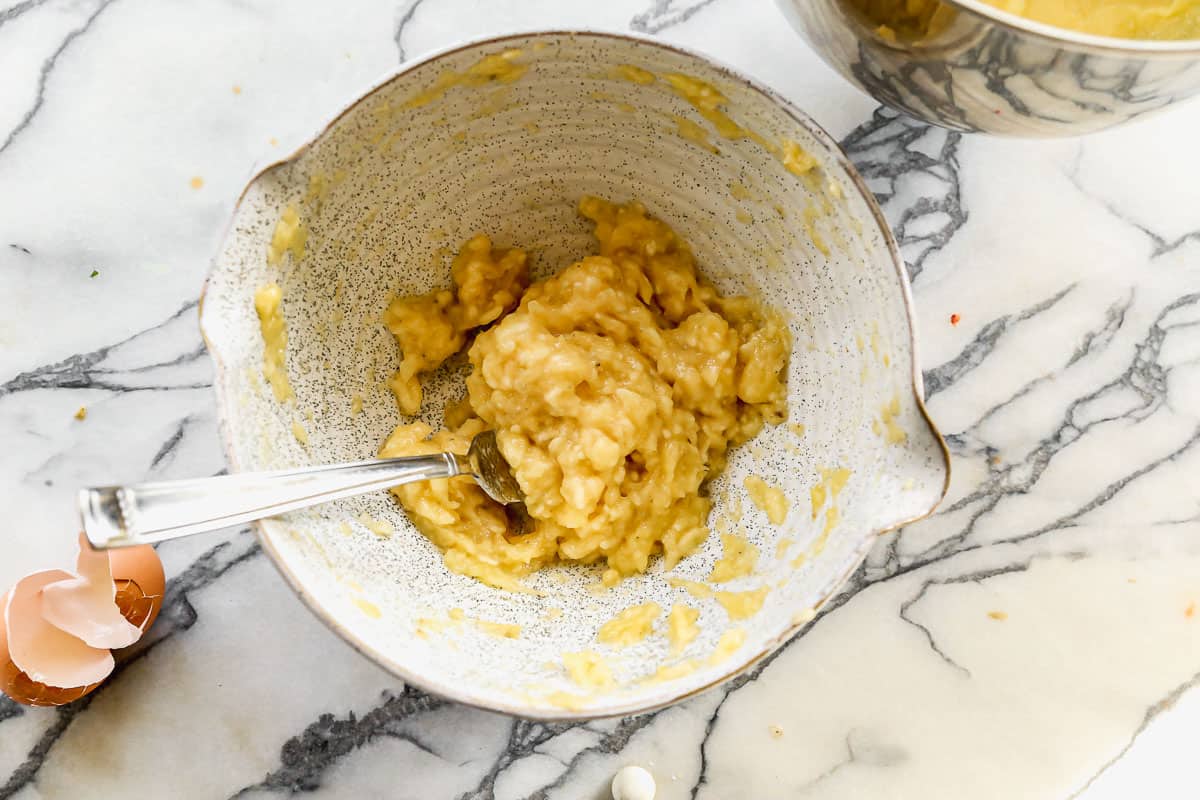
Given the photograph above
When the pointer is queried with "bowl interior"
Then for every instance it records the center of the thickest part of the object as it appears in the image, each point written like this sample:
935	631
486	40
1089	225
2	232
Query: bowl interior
449	148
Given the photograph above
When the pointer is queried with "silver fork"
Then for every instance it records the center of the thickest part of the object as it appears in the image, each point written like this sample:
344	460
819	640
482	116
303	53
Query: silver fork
123	516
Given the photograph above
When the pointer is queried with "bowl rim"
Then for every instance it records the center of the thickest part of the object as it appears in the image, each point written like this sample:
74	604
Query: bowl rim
1106	45
464	695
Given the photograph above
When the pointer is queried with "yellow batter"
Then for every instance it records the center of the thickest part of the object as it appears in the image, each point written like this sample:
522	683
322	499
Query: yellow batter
615	389
1122	19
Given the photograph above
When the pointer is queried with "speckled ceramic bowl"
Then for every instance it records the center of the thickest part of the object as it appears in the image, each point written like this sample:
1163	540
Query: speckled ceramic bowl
391	186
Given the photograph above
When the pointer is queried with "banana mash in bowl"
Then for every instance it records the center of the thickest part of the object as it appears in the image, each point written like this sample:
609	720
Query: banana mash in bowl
667	292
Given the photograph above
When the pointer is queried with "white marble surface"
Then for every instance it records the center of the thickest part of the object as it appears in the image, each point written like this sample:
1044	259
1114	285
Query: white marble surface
1069	392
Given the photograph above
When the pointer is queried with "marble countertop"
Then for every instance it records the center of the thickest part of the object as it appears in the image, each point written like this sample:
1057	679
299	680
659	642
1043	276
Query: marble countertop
1037	638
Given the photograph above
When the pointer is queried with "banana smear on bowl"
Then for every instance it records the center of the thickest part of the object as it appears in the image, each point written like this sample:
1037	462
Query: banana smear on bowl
58	629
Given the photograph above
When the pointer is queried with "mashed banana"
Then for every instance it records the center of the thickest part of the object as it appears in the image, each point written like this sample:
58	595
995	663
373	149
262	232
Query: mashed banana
615	389
432	327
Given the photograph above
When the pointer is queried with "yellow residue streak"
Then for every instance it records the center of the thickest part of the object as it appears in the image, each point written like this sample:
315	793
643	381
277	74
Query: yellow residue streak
380	527
501	629
782	546
497	68
428	625
681	626
743	216
740	605
268	303
318	189
634	74
197	182
810	225
630	626
708	101
571	702
299	432
686	129
729	643
797	159
738	560
696	589
355	404
367	607
999	615
892	432
669	672
588	670
831	484
81	414
345	528
796	428
739	191
290	235
768	498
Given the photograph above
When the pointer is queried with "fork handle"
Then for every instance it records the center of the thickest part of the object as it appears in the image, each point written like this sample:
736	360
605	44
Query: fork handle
123	516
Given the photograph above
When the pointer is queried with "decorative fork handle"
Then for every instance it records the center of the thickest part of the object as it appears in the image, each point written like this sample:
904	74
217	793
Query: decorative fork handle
123	516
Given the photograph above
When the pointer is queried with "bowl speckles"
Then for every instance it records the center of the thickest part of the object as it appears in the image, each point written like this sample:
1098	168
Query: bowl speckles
392	187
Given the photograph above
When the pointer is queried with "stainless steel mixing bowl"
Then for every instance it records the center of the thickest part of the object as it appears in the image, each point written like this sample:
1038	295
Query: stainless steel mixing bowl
968	66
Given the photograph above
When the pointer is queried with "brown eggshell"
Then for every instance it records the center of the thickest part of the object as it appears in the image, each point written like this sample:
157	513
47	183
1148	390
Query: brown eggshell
20	687
84	606
141	582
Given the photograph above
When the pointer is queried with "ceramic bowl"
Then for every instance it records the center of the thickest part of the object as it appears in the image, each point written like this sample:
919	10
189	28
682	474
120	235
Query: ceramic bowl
972	67
428	158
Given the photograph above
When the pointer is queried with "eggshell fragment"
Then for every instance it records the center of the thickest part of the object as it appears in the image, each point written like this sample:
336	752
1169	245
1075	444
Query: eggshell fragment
20	687
42	651
86	607
140	583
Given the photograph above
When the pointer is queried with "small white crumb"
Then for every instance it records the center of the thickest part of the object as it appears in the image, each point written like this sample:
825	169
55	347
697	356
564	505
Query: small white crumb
633	783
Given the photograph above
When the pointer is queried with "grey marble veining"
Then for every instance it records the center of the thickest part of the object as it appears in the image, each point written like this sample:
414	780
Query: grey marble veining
1067	392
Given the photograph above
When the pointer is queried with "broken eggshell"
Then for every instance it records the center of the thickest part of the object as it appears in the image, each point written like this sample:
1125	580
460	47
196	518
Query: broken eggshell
85	606
137	573
57	629
45	653
20	687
